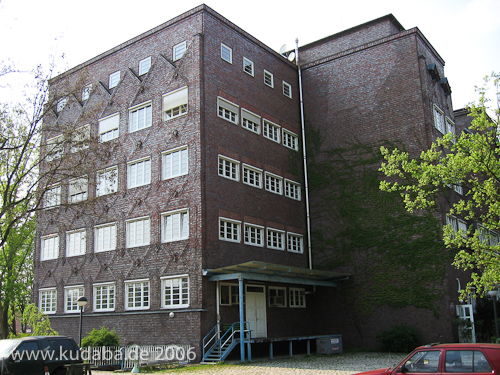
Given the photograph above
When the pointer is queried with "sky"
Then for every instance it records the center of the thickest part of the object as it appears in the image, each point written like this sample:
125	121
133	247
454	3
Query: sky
466	33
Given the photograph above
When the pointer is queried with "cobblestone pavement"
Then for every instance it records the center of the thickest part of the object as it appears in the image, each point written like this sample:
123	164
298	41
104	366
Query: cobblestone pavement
337	364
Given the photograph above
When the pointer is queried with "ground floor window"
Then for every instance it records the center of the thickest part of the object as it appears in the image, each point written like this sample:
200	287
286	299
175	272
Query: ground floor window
297	297
175	292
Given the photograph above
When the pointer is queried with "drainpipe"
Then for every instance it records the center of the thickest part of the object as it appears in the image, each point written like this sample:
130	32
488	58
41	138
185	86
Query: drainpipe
304	156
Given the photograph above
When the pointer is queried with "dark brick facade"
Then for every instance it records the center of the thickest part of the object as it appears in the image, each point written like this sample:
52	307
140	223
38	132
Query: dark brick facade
367	83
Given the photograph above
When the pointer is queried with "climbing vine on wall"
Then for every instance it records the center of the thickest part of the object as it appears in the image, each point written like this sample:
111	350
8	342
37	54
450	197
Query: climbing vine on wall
397	259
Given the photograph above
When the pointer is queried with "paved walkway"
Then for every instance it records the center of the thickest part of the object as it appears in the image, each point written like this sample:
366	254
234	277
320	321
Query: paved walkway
337	364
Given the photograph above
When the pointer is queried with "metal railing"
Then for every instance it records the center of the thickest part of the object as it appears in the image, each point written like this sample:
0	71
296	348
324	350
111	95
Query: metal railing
224	342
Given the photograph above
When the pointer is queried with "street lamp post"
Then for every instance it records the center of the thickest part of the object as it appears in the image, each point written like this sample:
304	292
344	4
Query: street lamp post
493	295
81	302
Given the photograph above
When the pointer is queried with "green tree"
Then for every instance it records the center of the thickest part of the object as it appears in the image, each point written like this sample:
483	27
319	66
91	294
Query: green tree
38	321
101	337
471	160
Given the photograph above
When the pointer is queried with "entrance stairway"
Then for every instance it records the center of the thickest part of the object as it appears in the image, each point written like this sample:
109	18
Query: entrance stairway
222	339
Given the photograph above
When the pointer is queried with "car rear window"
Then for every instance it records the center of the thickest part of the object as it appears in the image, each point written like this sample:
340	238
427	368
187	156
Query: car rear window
466	361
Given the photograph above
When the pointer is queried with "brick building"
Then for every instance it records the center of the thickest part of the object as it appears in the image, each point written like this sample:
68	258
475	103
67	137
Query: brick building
197	212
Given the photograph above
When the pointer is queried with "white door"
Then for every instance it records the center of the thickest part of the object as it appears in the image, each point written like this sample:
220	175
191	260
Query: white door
256	310
466	331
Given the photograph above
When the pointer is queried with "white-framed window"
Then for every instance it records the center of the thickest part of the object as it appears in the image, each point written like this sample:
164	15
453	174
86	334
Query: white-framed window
137	294
297	297
439	119
138	232
87	90
226	53
268	78
250	121
275	239
271	131
61	103
295	243
450	126
290	140
80	139
229	230
140	117
144	65
174	162
273	183
71	295
175	292
55	147
248	66
229	294
109	127
458	189
254	235
76	242
292	189
287	89
139	173
47	300
277	296
78	189
104	297
175	103
178	51
52	196
227	110
49	247
252	176
107	181
114	78
229	168
105	237
488	236
456	224
175	225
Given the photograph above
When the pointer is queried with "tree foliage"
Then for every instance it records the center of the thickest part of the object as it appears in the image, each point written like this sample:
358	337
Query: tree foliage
38	321
101	337
471	160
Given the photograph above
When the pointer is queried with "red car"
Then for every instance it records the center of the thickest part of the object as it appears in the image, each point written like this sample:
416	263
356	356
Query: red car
447	358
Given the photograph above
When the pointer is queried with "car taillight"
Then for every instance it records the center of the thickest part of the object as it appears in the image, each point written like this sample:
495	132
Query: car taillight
46	369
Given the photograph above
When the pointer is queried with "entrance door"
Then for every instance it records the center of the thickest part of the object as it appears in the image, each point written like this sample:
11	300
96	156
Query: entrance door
466	331
256	310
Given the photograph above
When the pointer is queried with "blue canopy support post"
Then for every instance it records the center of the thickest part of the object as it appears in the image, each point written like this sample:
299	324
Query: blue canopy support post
308	347
271	356
290	348
242	319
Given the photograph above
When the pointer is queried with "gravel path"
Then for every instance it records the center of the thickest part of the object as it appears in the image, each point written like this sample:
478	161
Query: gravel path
337	364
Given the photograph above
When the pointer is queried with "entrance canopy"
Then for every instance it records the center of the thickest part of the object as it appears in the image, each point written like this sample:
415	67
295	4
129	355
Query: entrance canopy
262	271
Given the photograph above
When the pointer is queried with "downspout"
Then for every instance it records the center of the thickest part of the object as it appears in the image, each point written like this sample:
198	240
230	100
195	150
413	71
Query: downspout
304	157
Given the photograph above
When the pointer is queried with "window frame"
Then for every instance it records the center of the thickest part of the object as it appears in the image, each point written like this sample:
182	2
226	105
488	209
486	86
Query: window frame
270	242
290	136
233	294
82	246
180	95
229	50
225	235
230	111
146	239
266	125
134	114
144	298
252	118
114	173
183	221
439	119
78	188
277	288
248	63
68	297
110	286
268	78
259	237
175	52
223	170
112	237
82	135
87	90
292	189
111	133
132	167
114	79
61	104
183	162
287	87
45	255
144	66
54	148
291	245
292	298
182	290
52	302
278	188
256	172
52	196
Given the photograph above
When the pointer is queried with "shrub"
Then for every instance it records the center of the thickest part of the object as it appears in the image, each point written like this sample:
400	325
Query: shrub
101	337
399	339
